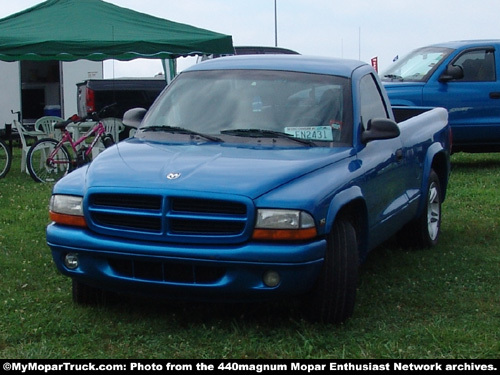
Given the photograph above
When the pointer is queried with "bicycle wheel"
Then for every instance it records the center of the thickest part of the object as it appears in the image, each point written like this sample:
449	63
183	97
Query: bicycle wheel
5	159
45	169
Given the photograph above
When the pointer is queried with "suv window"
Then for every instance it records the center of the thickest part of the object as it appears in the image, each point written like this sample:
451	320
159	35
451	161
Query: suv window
372	105
417	66
478	65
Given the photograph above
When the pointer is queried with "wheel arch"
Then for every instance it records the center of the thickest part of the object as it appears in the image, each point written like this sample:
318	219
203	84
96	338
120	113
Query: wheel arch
350	204
437	159
441	165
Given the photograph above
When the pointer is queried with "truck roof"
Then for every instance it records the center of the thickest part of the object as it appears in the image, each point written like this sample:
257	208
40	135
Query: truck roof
298	63
459	44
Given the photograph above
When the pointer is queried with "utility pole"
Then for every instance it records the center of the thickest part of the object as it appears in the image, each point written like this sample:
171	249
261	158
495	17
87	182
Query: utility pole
275	24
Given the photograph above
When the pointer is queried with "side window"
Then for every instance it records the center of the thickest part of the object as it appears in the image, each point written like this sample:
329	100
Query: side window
372	105
478	65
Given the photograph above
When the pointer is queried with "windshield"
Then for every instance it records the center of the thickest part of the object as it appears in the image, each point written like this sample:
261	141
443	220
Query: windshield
416	66
235	104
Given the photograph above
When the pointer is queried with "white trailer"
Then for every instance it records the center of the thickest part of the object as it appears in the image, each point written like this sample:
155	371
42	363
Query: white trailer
37	88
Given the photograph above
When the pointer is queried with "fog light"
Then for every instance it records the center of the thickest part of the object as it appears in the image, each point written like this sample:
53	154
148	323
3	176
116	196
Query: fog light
271	278
71	261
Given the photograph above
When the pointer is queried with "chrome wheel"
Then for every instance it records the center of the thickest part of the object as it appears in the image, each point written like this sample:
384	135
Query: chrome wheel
424	230
433	211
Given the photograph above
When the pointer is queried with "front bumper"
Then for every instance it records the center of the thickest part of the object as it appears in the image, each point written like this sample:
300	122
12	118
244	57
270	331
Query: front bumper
225	272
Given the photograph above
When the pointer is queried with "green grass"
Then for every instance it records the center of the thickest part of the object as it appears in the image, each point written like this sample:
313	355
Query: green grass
439	303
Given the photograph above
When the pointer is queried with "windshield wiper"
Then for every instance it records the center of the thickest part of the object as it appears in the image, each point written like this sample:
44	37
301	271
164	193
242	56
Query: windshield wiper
179	130
394	76
256	133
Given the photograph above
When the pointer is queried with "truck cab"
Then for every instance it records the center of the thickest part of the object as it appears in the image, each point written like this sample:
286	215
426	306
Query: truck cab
459	76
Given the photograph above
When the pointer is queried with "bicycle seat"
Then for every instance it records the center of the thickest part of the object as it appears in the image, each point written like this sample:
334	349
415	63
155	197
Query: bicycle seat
62	124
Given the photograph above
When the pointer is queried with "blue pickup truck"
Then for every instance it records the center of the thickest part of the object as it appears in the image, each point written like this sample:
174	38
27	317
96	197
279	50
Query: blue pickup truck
253	178
462	77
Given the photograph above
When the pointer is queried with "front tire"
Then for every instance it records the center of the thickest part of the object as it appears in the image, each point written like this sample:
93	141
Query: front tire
5	159
43	170
333	296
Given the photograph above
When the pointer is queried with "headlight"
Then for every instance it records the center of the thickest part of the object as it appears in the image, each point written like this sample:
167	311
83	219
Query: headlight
67	209
273	224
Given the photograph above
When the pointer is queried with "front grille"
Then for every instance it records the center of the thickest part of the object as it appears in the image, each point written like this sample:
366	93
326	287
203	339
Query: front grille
166	272
177	219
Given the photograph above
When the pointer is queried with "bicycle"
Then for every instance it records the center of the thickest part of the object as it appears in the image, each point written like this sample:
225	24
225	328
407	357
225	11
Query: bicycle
49	160
5	159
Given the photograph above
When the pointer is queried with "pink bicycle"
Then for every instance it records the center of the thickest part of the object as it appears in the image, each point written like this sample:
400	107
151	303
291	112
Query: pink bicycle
48	160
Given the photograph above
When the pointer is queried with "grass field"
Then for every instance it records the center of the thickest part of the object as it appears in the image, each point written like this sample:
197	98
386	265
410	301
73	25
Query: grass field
438	303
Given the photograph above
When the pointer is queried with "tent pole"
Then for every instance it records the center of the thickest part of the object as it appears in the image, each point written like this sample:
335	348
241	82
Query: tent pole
169	69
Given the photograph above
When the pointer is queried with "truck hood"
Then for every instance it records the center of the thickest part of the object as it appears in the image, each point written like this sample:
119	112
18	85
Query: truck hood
404	93
217	168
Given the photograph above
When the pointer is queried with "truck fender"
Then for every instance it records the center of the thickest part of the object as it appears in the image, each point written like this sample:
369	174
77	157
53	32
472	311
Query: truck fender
350	202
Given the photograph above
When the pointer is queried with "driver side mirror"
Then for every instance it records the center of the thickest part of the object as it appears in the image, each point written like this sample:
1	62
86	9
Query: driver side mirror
133	117
452	72
380	128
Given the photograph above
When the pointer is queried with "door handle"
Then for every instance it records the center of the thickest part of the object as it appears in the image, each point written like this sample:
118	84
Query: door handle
494	95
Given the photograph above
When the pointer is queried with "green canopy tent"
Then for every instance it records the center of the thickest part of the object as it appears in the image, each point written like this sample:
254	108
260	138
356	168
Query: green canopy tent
69	30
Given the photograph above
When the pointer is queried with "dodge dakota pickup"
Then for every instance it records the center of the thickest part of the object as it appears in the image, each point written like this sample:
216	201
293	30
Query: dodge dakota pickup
462	77
252	178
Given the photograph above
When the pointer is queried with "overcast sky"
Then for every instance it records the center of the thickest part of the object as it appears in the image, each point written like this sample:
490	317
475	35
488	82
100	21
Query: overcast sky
354	29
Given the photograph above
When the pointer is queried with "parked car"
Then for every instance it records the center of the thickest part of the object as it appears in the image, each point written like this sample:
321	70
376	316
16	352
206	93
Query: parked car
252	50
462	77
253	178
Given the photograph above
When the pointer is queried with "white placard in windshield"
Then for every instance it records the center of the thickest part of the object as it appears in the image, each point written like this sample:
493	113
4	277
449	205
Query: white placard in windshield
313	133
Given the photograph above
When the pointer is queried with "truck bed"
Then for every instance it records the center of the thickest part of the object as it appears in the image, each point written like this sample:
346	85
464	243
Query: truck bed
94	94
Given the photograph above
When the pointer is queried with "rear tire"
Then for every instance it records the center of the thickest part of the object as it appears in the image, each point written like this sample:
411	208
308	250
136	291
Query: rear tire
333	297
40	169
5	159
424	231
